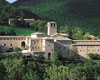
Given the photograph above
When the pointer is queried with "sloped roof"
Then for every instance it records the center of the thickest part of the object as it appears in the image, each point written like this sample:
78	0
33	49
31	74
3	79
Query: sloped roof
60	35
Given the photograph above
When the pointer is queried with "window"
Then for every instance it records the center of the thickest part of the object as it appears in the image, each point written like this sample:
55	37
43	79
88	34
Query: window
23	44
54	25
4	44
10	44
35	47
34	42
49	56
51	24
38	47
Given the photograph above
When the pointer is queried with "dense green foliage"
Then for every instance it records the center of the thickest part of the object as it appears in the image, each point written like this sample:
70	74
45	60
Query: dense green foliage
73	13
20	31
39	25
7	31
5	12
94	56
17	67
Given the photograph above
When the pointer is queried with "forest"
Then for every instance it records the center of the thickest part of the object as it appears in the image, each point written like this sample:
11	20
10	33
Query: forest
84	14
78	18
19	67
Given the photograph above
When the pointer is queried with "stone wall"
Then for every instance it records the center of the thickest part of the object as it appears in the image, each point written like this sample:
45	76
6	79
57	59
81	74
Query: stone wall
7	42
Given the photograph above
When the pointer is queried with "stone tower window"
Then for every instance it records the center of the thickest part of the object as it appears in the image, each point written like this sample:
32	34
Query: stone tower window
51	24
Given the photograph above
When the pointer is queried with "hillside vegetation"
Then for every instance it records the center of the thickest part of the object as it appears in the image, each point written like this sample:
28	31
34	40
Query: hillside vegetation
72	13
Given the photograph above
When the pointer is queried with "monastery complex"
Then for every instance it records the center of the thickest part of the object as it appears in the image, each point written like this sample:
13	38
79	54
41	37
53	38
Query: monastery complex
47	44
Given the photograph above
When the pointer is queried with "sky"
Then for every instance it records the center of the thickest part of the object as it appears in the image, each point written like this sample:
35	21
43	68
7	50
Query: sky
11	1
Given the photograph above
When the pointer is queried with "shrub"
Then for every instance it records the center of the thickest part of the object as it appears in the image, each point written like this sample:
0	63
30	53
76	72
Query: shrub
55	57
94	56
11	49
17	50
1	51
40	57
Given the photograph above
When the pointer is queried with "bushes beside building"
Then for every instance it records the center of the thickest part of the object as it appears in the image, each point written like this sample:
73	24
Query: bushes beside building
7	31
94	56
19	68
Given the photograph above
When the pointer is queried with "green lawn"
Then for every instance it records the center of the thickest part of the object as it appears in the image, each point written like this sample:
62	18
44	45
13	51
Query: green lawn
20	31
23	31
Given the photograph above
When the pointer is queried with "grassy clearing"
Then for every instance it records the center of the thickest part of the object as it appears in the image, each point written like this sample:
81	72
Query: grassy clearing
20	31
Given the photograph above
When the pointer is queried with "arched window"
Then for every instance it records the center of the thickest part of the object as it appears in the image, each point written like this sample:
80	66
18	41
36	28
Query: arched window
23	44
49	56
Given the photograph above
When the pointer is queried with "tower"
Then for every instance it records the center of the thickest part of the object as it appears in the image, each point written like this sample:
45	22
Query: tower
52	28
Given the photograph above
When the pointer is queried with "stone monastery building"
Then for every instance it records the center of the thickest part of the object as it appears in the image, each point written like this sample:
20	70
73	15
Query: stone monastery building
47	44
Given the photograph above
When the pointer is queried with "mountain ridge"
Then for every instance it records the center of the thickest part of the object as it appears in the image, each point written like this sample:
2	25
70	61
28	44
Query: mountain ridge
73	13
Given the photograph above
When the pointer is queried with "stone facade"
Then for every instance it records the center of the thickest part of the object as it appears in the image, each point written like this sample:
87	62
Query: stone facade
39	43
27	21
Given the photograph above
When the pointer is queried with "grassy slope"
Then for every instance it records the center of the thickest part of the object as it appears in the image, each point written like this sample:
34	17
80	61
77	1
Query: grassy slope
20	31
74	13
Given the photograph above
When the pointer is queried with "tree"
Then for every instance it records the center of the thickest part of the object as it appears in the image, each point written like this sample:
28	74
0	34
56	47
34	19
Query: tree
40	57
77	34
55	57
57	73
76	74
86	36
2	72
65	29
39	25
5	11
14	67
94	56
10	31
32	75
17	50
1	51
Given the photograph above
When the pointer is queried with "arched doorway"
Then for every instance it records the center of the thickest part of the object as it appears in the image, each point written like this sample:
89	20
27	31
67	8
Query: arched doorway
49	56
23	44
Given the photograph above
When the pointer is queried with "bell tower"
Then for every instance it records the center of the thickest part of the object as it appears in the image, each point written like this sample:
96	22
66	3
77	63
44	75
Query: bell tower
52	28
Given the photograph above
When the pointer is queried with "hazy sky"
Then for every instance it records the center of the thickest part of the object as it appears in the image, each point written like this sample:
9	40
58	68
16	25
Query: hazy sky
11	1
